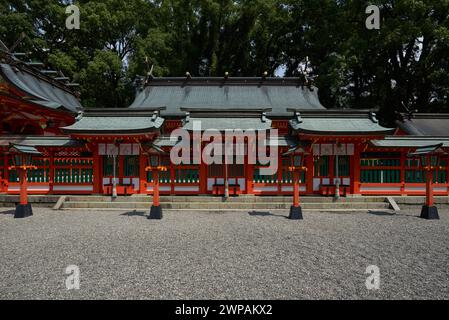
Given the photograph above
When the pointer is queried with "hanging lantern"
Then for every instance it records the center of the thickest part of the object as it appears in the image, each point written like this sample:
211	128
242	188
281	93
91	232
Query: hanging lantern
298	160
154	160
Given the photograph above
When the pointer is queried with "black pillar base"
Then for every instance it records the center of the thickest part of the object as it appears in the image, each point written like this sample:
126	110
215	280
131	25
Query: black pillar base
23	211
155	213
430	213
295	213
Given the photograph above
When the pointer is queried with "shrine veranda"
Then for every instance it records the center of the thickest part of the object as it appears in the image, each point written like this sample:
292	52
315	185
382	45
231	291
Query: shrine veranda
84	150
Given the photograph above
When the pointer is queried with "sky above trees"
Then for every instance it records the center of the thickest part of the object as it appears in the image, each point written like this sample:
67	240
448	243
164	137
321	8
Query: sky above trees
405	62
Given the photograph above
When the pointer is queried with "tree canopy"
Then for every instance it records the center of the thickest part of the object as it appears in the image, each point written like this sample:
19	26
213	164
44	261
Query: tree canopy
405	62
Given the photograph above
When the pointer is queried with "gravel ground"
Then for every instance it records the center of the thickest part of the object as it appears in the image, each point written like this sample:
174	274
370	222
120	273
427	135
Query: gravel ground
198	255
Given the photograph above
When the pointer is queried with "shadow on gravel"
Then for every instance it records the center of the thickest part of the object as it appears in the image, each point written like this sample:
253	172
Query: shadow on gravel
8	212
381	213
265	214
134	214
398	214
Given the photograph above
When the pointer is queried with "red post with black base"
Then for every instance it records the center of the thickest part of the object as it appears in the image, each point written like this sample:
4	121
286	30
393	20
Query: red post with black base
156	209
23	209
429	211
22	158
295	209
430	163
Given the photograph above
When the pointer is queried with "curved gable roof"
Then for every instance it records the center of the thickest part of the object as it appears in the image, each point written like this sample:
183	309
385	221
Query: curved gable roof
38	90
277	94
425	124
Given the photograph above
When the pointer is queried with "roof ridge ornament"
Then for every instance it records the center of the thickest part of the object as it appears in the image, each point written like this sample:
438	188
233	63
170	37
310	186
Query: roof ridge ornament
79	116
409	113
298	117
155	115
373	117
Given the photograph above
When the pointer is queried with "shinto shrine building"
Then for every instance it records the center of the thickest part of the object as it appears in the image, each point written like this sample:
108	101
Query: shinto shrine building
84	150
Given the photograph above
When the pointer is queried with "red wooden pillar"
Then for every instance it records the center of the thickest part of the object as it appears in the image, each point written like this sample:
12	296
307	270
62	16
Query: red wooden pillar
173	169
279	172
156	187
250	179
309	173
142	174
51	179
98	177
5	175
355	170
251	155
23	186
403	160
203	178
296	187
429	183
121	169
331	169
429	188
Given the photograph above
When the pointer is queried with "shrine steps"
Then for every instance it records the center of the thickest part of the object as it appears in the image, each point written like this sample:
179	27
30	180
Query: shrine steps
219	204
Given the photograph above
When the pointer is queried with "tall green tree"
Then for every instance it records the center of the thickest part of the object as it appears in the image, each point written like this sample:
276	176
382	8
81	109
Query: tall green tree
403	63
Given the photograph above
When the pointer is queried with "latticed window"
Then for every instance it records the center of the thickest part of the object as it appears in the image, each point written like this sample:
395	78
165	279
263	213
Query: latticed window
165	176
261	178
258	177
380	167
39	175
131	166
183	174
286	176
190	174
343	166
108	166
321	166
215	170
236	170
415	174
73	170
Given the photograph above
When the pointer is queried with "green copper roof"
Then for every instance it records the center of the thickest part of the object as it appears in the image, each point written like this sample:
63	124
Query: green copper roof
427	150
277	94
166	141
41	91
118	121
222	124
410	142
41	141
337	122
23	149
425	124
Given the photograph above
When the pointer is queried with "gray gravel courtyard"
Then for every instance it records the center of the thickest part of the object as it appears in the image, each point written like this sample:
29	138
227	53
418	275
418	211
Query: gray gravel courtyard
200	255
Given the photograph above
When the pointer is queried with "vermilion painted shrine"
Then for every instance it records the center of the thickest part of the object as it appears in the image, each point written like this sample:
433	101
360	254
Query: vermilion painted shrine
80	147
